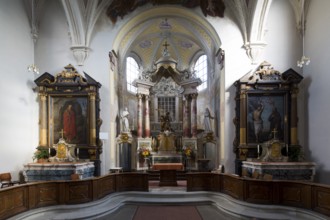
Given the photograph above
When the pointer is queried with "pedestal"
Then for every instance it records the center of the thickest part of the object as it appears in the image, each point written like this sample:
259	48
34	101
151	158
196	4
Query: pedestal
125	158
304	171
57	171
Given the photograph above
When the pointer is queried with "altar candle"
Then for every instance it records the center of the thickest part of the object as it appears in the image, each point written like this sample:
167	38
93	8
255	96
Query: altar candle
258	149
77	151
49	151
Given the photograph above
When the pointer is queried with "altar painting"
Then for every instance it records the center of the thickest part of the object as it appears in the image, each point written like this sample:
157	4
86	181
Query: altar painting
265	117
70	119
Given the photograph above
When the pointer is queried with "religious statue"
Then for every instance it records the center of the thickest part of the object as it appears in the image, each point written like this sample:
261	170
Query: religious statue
166	122
207	121
125	123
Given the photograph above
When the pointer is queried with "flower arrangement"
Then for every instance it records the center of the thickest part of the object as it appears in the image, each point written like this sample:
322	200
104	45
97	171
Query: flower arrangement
188	152
40	153
143	154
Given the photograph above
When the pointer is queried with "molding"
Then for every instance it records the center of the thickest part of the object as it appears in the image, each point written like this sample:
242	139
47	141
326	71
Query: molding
81	17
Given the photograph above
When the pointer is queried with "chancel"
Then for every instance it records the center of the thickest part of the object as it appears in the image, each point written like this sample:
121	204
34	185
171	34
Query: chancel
139	109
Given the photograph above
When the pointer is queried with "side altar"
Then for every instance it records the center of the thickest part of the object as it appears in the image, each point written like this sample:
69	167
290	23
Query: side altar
50	171
274	163
60	167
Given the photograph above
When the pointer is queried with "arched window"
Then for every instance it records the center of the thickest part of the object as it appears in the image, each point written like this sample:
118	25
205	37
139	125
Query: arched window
132	72
201	71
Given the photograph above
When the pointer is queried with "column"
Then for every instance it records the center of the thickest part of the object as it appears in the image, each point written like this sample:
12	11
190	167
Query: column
242	122
189	115
156	109
294	117
186	117
176	109
43	120
147	117
92	120
139	126
194	114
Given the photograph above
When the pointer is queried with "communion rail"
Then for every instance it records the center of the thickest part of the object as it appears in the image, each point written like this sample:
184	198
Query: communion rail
24	197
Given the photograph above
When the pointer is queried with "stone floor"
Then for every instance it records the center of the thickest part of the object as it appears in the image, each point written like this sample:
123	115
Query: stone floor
210	205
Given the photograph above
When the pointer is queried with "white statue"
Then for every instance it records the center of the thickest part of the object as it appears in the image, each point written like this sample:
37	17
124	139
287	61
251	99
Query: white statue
124	119
207	120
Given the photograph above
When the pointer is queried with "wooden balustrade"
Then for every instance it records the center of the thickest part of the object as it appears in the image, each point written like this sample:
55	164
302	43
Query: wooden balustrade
23	197
306	195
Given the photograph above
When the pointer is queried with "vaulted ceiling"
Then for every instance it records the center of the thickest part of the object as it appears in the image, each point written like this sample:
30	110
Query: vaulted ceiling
185	37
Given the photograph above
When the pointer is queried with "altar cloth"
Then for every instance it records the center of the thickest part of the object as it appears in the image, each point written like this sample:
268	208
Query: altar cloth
167	166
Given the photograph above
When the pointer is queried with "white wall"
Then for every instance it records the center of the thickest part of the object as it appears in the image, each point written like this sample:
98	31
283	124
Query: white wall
19	112
19	108
317	87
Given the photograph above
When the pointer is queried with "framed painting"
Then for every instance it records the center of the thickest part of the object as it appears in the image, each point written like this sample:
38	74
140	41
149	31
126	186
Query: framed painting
266	117
68	119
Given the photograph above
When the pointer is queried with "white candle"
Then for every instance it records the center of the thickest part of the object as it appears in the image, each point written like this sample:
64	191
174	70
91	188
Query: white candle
49	151
78	152
258	149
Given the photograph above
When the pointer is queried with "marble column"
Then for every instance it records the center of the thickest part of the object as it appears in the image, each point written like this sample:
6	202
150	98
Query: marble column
92	120
294	117
139	126
186	117
43	120
147	117
194	114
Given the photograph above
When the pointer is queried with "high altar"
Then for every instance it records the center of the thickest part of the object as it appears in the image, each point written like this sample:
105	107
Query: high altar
166	126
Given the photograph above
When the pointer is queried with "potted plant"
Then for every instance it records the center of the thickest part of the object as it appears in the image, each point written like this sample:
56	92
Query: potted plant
41	154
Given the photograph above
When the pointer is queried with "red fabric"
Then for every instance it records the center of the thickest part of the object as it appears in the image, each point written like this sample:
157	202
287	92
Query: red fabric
69	124
168	166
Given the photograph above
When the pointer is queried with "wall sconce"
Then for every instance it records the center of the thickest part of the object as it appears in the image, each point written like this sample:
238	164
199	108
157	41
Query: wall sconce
33	68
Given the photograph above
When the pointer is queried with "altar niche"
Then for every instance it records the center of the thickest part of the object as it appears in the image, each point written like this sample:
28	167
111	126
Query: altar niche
266	105
69	104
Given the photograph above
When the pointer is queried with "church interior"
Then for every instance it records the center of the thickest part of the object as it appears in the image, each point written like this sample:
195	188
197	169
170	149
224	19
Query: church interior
127	109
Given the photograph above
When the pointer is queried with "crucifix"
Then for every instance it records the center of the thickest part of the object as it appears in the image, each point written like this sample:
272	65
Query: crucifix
62	133
274	131
165	52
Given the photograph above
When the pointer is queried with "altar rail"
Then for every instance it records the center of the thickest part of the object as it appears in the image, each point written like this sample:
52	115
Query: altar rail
306	195
21	198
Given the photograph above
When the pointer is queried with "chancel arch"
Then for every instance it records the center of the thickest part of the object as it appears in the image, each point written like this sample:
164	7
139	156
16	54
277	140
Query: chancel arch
168	40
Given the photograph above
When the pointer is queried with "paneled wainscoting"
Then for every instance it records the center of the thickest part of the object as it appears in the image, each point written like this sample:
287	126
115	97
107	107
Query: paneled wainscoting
302	195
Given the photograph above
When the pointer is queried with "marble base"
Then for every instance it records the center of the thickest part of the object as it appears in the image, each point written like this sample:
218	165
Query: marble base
280	170
166	157
57	171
